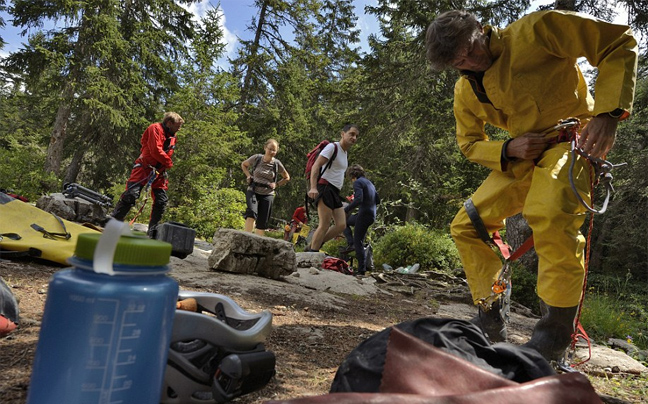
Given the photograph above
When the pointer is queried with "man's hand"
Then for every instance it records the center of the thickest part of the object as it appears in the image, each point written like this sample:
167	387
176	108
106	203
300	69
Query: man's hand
312	193
597	138
527	147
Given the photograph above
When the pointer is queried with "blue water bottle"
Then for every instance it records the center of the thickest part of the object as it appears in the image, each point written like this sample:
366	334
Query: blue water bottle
107	323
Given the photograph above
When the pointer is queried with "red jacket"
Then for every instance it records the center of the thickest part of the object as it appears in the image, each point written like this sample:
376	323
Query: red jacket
300	215
157	147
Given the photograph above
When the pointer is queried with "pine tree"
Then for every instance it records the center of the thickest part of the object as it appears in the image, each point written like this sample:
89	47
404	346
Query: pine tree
291	74
108	65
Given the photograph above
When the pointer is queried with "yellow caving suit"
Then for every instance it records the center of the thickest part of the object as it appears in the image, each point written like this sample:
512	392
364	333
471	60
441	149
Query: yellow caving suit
534	82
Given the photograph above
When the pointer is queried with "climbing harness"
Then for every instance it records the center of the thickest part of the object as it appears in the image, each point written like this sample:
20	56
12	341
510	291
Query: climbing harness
501	289
149	180
600	173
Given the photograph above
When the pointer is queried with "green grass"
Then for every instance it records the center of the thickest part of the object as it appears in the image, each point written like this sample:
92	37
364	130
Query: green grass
606	317
615	307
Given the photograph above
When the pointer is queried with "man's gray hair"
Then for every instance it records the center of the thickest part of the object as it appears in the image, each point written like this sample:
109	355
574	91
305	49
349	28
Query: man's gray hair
447	35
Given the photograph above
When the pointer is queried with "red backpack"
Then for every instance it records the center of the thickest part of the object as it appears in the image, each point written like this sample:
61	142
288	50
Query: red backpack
337	265
312	157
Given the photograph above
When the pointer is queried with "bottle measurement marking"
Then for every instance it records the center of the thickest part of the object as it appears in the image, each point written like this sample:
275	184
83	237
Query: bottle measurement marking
111	361
127	332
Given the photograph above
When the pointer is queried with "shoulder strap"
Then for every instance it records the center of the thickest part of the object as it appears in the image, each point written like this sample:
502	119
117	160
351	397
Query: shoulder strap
496	240
330	161
477	85
482	232
275	167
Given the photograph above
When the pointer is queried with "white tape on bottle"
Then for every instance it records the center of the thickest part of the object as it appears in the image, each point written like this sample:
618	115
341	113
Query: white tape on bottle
105	250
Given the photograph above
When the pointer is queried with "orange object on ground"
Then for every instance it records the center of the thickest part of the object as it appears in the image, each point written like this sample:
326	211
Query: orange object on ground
187	305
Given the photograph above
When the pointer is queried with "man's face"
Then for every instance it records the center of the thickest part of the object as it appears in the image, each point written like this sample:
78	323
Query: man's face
475	56
174	127
350	137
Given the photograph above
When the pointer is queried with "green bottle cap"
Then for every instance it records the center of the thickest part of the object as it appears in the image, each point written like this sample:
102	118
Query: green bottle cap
131	250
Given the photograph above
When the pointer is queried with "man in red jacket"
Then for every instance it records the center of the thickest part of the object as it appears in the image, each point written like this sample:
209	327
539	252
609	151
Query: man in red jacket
299	218
158	144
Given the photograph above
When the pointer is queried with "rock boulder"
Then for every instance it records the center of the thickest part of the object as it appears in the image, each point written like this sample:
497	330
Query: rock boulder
246	253
72	209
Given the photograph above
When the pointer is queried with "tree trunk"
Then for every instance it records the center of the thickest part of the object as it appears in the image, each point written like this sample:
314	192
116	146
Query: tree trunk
411	214
75	166
255	45
59	132
597	248
517	232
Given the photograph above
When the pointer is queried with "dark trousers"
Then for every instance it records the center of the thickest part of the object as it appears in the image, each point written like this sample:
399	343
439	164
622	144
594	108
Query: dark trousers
129	197
360	222
259	207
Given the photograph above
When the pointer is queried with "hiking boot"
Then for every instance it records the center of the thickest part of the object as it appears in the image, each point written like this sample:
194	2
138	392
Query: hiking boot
552	334
152	232
347	249
491	323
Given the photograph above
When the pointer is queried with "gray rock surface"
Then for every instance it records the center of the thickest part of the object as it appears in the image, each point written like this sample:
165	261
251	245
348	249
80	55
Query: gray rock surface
246	253
310	259
72	209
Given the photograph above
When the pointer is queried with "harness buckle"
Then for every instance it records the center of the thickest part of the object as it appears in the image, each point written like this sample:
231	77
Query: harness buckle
567	130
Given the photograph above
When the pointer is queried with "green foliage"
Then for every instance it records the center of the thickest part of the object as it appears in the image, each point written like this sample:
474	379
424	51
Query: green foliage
615	307
276	234
105	69
332	247
214	208
21	171
524	287
23	144
414	243
607	317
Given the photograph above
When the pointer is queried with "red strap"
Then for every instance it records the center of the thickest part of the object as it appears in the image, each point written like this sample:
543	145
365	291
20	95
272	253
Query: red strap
580	333
521	250
505	250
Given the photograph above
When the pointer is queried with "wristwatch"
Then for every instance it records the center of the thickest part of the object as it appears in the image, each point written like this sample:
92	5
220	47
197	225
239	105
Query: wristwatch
617	113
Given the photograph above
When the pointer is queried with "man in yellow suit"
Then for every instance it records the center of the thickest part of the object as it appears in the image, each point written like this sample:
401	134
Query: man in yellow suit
524	79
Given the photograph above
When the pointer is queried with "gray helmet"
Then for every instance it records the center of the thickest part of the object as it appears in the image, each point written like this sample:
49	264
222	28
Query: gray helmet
216	353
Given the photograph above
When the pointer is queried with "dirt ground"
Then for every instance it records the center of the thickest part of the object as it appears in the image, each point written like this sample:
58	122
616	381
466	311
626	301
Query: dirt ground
318	318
